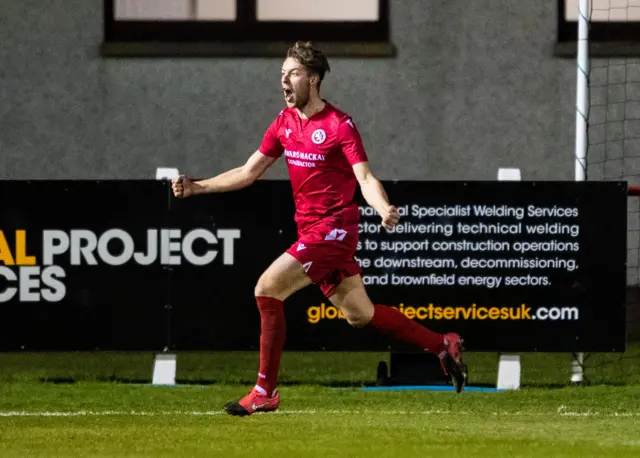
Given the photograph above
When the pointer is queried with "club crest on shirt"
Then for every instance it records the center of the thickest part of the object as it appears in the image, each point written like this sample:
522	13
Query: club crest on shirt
318	136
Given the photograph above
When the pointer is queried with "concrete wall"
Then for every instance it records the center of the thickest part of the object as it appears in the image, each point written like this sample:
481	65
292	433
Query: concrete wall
474	87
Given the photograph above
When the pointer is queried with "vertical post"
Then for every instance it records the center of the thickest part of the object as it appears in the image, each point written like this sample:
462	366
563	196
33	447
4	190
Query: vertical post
165	364
164	369
193	10
582	110
577	368
582	92
509	368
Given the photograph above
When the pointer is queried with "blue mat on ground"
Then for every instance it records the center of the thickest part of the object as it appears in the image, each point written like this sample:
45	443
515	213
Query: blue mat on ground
429	388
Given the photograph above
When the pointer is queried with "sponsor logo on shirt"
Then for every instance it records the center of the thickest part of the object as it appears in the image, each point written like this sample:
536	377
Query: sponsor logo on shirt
303	159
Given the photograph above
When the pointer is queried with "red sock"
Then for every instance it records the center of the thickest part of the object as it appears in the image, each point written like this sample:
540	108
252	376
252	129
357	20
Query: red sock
272	334
391	321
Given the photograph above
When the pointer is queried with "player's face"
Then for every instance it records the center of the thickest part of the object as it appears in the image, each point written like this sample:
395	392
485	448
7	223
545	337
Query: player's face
296	84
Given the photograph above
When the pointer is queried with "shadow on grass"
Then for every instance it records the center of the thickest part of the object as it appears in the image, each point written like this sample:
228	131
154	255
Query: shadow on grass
137	381
586	383
328	384
58	380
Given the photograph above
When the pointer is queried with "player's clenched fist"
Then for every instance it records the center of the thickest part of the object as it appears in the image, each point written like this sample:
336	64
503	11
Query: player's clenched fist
182	186
390	217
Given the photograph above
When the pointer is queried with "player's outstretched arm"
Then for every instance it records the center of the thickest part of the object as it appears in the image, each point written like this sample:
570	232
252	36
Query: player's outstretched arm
375	195
232	180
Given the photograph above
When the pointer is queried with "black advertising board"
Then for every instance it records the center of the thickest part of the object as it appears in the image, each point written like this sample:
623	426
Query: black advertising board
511	266
214	305
60	286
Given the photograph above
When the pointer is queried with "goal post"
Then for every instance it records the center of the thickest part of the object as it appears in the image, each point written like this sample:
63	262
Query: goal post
581	142
603	36
582	92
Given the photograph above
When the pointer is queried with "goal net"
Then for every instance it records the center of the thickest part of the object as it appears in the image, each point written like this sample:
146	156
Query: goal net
603	36
613	103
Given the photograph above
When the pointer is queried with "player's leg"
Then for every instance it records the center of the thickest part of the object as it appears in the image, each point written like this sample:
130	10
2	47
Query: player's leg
353	301
282	278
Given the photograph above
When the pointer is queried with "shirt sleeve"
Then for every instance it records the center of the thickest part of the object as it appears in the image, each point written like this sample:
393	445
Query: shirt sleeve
271	145
351	142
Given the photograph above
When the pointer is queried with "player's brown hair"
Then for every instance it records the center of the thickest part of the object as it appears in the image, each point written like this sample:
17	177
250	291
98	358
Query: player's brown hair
312	58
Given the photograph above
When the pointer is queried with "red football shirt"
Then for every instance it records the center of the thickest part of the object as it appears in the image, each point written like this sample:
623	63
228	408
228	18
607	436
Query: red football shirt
320	152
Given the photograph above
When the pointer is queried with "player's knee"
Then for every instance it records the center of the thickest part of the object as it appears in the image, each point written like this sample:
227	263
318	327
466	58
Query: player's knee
267	286
264	288
358	318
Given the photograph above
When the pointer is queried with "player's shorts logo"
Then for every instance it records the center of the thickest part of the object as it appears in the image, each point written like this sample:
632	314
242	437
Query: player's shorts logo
318	136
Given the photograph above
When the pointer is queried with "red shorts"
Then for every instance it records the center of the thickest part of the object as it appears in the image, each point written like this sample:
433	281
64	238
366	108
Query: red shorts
327	254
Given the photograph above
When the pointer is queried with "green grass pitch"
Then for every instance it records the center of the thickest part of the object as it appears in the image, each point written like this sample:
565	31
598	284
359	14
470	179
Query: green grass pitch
101	405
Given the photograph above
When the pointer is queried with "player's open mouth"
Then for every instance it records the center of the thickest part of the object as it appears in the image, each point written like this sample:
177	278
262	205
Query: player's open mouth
288	94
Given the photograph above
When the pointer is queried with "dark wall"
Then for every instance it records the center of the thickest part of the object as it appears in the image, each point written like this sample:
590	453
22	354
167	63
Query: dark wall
473	88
